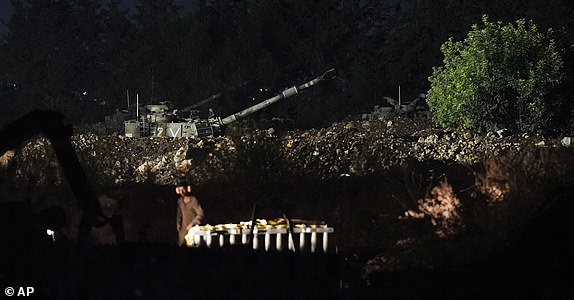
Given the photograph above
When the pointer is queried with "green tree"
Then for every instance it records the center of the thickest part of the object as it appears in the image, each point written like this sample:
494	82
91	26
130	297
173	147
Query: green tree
498	76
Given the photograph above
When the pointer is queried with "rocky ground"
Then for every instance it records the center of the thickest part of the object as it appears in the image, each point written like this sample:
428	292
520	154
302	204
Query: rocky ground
401	194
356	148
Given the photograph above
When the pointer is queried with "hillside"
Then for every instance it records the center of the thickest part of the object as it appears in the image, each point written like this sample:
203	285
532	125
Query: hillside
401	194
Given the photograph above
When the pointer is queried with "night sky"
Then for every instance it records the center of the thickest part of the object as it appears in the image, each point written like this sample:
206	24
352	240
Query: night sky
6	9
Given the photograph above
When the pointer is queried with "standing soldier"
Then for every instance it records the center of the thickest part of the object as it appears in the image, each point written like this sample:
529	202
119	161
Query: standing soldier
189	212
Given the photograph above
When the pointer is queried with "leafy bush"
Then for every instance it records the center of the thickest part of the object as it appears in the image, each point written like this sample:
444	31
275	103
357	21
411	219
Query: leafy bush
500	76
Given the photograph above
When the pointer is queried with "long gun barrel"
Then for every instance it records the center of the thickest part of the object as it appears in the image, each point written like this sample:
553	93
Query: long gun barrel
200	103
294	90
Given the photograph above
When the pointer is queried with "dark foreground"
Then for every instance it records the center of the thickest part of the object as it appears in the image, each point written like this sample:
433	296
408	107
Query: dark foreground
538	266
145	271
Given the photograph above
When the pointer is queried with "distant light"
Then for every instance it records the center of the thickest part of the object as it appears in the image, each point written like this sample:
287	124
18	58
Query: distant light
51	233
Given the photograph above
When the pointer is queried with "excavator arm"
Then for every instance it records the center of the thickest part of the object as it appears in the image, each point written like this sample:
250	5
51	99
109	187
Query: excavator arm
51	124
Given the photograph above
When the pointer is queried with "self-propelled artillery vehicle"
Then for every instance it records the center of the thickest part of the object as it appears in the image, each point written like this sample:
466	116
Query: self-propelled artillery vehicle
161	120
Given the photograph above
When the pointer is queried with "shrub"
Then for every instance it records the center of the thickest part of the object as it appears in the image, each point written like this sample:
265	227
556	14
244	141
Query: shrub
500	76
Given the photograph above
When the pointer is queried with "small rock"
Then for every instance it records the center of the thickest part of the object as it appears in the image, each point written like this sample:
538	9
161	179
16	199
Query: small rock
540	144
431	139
467	135
478	139
389	123
503	132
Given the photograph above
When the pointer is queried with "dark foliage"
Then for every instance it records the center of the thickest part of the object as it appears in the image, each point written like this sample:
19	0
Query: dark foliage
81	57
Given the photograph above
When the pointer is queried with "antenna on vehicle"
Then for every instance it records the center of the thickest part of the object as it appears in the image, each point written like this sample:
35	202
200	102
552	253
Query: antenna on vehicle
137	106
399	96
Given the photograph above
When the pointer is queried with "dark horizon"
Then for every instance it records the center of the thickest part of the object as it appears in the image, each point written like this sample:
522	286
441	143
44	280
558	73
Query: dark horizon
84	64
6	10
